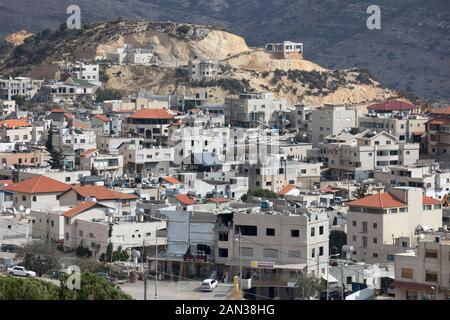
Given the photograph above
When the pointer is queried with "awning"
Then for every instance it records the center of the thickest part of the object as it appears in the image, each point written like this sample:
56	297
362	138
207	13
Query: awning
331	279
294	266
418	133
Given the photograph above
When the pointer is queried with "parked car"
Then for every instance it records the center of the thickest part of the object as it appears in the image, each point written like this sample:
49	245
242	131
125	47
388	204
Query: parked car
333	294
391	290
209	285
21	271
9	247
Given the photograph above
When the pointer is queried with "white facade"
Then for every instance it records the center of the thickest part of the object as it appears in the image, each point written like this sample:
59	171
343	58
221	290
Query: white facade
82	71
20	86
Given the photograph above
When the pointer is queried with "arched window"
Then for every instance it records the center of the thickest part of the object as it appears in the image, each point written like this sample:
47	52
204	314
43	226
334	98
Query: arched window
34	199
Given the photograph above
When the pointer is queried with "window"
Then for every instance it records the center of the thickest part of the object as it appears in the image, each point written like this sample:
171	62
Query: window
349	280
364	225
354	223
67	179
431	276
66	236
313	252
313	231
374	255
411	295
24	198
375	225
53	223
270	231
270	253
223	253
34	199
433	254
295	233
294	254
354	238
364	240
375	240
223	236
320	251
246	230
403	209
247	252
321	230
91	235
407	273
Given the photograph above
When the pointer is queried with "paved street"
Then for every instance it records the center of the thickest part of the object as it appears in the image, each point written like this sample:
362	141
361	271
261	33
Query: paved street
184	290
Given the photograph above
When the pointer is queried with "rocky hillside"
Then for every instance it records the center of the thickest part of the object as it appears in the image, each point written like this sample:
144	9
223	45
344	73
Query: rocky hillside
409	53
241	66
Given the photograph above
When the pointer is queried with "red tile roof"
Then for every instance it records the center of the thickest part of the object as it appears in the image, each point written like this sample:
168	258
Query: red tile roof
439	121
329	189
445	110
392	105
79	209
102	117
379	200
7	182
185	199
218	200
172	180
102	193
14	123
88	152
57	110
286	189
39	184
428	200
151	114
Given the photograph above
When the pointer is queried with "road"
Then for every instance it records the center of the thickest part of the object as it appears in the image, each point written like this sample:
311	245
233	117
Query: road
183	290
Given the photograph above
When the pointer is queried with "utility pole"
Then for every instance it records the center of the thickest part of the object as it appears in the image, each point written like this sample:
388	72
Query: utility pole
342	281
240	261
156	264
143	269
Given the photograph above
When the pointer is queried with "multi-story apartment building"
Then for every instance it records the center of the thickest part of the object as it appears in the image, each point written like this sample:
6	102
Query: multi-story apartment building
434	181
146	162
424	273
81	71
71	141
276	174
200	69
300	119
71	90
272	247
331	119
112	106
151	124
7	107
102	165
438	133
380	225
20	86
31	158
110	144
358	155
253	109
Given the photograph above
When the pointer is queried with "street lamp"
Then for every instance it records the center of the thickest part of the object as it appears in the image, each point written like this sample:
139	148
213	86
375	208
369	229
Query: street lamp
435	292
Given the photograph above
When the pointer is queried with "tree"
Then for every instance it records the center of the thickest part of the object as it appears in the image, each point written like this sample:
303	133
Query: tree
338	239
362	191
92	287
256	192
108	94
39	256
83	252
308	286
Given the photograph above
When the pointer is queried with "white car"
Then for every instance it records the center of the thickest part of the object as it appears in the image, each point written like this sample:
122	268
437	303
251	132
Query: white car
209	285
21	271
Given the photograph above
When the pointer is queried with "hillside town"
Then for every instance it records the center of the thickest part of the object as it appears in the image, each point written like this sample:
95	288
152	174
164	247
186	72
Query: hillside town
256	194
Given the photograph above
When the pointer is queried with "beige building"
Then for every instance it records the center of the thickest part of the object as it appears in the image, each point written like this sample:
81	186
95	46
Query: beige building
288	243
359	155
381	225
331	119
13	130
424	274
35	158
7	107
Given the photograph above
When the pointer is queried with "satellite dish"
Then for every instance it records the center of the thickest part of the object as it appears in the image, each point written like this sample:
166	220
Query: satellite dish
27	211
136	253
21	208
90	199
109	212
421	236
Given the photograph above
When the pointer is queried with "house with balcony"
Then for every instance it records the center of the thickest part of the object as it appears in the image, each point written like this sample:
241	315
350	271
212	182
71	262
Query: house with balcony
102	165
438	133
383	224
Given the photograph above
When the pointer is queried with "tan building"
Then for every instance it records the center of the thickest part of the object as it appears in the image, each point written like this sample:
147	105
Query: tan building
13	130
35	158
360	154
424	274
383	224
438	133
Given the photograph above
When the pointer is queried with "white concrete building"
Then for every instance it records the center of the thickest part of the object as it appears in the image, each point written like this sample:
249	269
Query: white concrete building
130	55
7	107
19	86
82	71
202	69
329	120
